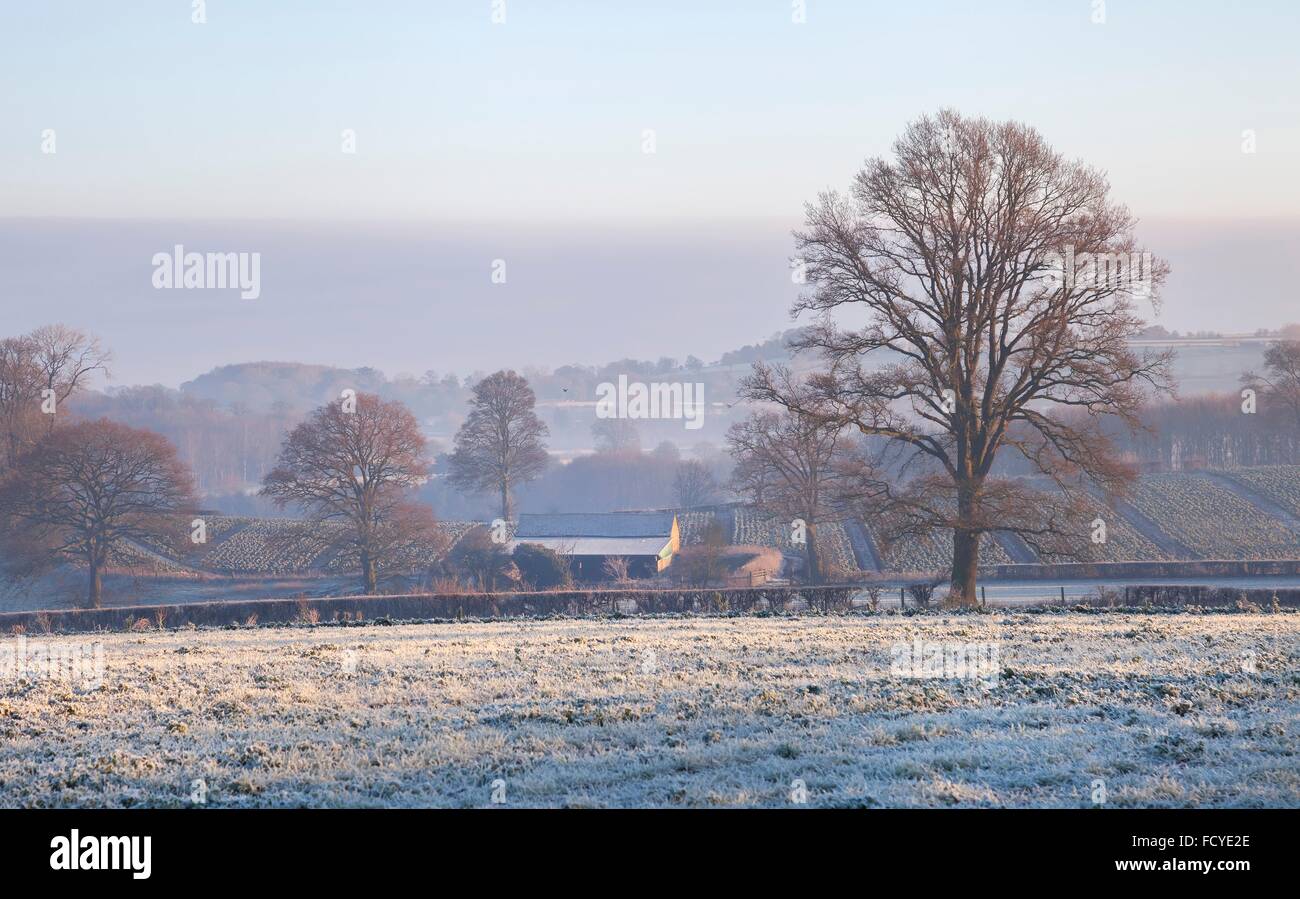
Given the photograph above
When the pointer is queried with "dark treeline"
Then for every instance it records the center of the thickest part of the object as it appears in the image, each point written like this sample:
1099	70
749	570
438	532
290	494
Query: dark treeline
1205	431
1213	431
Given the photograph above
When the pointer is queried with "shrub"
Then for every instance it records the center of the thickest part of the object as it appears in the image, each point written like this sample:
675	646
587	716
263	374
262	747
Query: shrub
541	567
306	614
922	593
873	597
477	559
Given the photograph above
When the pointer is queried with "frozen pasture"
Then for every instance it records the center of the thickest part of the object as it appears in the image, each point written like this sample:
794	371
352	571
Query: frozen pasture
1077	709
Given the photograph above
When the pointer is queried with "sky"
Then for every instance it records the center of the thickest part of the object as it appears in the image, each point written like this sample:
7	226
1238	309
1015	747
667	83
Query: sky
526	141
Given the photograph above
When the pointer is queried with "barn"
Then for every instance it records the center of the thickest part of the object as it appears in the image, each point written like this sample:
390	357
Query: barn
648	540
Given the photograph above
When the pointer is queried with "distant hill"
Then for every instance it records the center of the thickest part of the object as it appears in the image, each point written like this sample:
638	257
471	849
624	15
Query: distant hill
262	386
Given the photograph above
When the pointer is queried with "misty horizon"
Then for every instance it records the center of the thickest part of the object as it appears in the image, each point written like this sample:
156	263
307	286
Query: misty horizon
331	294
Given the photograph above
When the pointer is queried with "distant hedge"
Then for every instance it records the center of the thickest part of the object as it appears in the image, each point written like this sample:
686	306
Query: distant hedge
1198	595
1167	568
427	606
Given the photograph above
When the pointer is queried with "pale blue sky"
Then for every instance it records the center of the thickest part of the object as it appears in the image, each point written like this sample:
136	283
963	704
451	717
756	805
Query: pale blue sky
524	141
541	118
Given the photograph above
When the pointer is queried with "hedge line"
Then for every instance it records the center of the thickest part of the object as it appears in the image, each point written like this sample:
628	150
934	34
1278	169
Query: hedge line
1107	570
1196	595
425	606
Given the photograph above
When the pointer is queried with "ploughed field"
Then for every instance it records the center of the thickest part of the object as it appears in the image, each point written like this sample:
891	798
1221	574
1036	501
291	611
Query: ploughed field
1251	513
1062	709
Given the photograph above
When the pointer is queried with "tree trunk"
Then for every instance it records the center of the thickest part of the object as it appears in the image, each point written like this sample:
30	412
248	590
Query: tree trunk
965	567
505	500
369	582
95	588
810	550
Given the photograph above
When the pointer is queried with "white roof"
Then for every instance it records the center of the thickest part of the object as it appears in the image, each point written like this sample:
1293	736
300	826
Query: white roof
599	546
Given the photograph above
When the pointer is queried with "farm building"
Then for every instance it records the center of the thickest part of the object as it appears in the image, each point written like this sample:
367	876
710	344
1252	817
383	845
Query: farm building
648	540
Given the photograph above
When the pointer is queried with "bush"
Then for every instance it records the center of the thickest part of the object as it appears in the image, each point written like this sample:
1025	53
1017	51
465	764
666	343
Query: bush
305	613
542	568
922	593
477	559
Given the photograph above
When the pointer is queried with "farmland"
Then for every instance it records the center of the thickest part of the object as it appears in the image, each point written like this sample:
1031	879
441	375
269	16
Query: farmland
1123	543
756	529
277	546
1212	520
1241	514
1172	710
1279	482
694	524
934	552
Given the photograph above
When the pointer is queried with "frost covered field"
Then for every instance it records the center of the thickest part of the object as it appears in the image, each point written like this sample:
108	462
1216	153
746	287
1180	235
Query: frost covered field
1136	709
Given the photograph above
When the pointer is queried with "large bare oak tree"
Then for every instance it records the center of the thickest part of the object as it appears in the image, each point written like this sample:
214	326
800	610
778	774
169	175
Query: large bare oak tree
990	284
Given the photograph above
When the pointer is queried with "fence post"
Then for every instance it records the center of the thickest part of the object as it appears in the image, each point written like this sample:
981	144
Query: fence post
901	603
1063	594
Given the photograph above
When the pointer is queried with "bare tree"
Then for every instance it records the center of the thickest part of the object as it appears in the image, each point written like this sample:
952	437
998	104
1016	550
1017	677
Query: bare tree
479	560
359	466
86	488
750	480
616	569
500	444
20	392
66	358
1281	381
694	484
616	435
975	257
38	373
790	464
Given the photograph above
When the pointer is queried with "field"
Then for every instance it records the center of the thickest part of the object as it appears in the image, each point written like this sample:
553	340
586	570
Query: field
935	552
1277	481
1212	520
1154	709
1245	513
753	528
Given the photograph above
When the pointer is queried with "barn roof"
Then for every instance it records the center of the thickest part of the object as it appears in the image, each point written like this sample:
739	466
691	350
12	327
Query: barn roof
596	524
599	546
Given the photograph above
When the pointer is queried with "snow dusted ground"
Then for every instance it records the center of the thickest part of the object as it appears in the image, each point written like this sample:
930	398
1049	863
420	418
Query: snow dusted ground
1153	709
